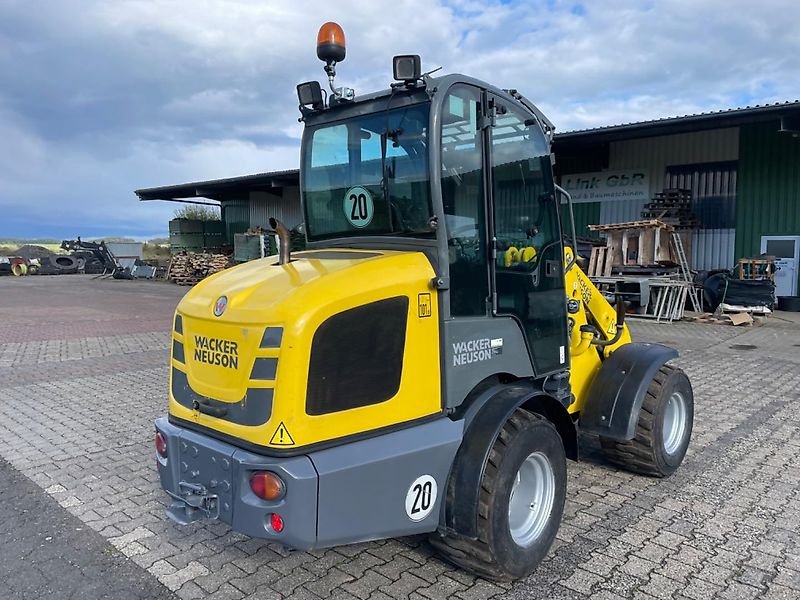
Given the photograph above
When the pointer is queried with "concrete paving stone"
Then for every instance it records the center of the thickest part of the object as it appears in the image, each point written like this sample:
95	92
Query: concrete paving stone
263	578
788	578
342	595
212	580
699	589
190	572
358	565
638	567
288	564
726	558
763	561
607	595
404	586
717	574
365	584
325	585
677	570
464	577
395	567
254	562
601	564
483	589
740	591
226	592
723	518
291	581
444	587
660	586
780	592
582	581
190	591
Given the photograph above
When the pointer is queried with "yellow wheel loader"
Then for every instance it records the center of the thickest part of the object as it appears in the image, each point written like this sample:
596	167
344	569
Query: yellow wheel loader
426	364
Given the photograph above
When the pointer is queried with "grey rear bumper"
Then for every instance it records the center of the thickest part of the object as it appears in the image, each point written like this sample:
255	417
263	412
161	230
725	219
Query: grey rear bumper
207	478
349	493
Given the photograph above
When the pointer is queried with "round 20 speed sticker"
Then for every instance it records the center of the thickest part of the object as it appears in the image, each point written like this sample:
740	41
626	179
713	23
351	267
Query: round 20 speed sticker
421	497
358	206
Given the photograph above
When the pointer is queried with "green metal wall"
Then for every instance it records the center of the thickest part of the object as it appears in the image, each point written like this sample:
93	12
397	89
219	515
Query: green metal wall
586	213
768	200
236	216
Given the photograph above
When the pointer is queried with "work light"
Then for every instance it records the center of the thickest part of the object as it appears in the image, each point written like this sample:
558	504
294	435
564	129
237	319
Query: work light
407	67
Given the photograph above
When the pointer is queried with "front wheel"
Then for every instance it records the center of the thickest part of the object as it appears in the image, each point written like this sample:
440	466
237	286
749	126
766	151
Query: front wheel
522	499
663	430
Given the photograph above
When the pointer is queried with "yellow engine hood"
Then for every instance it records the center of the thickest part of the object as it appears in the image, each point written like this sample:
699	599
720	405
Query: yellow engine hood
219	352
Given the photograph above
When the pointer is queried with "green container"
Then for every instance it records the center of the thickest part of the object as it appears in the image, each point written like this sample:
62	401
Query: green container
186	226
214	227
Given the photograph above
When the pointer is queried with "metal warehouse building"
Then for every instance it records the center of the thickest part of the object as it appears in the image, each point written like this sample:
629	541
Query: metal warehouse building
741	165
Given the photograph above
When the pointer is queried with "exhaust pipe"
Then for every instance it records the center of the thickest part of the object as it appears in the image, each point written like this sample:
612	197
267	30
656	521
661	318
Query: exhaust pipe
284	251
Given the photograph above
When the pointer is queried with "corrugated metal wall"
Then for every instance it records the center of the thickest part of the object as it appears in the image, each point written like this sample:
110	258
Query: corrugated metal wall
713	187
586	213
285	208
769	186
713	249
655	154
236	216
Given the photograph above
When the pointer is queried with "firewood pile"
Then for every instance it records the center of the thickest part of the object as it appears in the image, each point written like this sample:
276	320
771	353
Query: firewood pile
188	268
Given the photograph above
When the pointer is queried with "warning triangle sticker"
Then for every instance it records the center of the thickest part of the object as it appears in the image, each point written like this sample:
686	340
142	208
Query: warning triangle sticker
281	437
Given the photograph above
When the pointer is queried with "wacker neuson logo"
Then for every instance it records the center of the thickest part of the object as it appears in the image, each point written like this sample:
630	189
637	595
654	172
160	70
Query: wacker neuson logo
214	351
477	350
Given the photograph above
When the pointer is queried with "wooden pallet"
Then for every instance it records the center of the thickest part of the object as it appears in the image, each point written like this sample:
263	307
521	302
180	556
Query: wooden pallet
631	225
600	262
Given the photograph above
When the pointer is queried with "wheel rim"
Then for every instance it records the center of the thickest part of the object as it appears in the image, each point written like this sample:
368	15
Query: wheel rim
531	501
674	428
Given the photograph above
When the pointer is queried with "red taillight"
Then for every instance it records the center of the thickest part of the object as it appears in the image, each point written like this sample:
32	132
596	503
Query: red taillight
267	486
276	522
161	444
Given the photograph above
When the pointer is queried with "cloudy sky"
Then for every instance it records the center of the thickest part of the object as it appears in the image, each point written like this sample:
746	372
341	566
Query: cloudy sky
100	97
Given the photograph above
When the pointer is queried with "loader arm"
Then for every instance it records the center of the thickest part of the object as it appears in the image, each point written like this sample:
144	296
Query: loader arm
593	328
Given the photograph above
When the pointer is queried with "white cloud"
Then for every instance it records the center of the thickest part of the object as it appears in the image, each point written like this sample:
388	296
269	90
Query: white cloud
100	98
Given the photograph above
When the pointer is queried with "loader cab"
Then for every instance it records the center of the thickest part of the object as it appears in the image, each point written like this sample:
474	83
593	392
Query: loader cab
461	171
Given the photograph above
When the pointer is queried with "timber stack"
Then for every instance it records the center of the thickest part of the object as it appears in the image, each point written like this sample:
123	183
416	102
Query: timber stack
672	207
188	268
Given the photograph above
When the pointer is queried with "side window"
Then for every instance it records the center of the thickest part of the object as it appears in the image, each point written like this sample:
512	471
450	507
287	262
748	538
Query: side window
330	147
464	202
529	266
521	172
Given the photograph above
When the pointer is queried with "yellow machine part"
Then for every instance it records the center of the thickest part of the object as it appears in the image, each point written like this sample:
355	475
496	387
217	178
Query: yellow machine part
594	310
299	297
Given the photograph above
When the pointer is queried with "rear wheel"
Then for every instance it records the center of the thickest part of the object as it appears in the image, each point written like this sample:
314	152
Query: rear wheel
522	498
663	430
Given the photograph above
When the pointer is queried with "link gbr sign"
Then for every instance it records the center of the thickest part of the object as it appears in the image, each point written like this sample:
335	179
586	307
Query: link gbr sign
630	184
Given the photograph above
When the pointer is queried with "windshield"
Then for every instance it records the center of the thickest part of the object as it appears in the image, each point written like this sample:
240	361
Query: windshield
369	175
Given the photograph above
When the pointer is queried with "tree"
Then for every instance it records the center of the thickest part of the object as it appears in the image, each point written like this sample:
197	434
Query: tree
198	212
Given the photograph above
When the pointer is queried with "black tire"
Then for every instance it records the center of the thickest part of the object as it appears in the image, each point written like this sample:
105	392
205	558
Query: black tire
647	452
495	555
64	262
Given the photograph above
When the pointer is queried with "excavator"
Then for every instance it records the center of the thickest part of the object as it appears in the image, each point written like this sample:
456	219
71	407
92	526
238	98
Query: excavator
426	364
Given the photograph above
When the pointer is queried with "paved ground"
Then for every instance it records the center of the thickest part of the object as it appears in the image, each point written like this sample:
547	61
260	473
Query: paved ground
83	372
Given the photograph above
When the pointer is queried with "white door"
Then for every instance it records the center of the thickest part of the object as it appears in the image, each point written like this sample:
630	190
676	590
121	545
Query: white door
786	250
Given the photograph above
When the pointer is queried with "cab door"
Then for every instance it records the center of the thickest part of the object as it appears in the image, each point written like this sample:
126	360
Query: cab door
527	277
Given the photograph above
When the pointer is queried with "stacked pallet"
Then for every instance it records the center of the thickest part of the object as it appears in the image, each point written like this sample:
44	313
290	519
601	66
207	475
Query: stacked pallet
672	207
188	268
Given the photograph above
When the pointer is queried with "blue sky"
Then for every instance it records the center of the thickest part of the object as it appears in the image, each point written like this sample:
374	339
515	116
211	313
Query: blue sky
100	98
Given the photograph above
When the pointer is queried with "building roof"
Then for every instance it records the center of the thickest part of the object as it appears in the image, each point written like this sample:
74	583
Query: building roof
731	117
221	189
233	187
